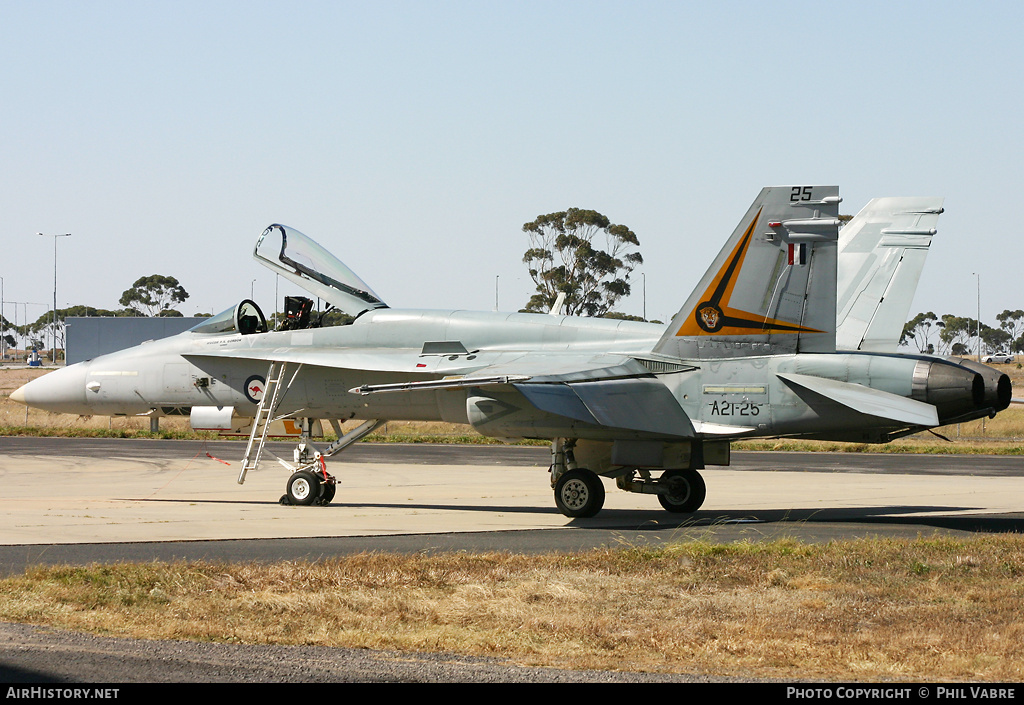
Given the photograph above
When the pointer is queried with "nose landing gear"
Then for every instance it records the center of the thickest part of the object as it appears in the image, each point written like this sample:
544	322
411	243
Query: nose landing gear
307	487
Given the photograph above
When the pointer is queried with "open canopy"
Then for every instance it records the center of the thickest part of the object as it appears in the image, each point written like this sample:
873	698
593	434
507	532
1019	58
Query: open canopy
299	259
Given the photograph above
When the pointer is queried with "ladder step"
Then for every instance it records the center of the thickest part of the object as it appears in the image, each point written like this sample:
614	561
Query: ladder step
261	422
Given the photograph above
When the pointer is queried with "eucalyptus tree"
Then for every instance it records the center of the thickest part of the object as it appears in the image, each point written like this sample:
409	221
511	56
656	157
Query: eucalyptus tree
154	295
582	254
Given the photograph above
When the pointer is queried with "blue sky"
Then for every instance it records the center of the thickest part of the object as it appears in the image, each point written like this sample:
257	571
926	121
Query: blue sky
414	139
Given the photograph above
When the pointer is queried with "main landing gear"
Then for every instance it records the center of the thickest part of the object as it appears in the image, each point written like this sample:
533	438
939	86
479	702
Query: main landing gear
579	492
684	491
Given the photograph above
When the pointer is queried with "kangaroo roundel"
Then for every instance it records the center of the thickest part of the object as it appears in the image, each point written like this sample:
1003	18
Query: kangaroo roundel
254	387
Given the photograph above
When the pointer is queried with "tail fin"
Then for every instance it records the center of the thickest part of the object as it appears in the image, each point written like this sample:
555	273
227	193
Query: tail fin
881	255
772	288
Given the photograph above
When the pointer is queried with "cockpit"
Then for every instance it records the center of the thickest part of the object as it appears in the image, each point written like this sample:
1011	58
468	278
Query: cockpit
245	318
302	261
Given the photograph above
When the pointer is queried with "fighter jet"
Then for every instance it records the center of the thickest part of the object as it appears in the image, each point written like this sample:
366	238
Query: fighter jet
751	353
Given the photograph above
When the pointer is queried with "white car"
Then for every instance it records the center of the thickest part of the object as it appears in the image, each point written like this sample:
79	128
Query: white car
998	357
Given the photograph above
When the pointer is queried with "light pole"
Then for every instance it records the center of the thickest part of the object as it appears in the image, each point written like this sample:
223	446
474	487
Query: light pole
644	275
53	333
978	275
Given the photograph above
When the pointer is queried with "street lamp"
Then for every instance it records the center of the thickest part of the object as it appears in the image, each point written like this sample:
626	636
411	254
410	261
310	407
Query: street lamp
53	333
978	275
644	275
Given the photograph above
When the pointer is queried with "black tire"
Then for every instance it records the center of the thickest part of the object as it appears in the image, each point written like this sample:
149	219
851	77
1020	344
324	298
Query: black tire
579	493
686	491
303	488
327	495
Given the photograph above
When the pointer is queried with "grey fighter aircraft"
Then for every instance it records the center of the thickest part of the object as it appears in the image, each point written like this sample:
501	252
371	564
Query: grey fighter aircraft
752	353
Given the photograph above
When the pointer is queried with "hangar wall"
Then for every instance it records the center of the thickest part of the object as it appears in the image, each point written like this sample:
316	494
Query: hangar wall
91	337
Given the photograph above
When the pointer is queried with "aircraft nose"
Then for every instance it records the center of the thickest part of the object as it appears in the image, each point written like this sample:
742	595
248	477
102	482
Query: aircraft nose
62	391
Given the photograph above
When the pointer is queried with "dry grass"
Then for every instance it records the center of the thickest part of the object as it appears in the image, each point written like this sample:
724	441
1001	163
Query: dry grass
931	609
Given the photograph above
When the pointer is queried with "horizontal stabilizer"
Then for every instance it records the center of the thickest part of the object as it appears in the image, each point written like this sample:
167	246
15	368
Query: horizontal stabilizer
719	429
638	404
868	401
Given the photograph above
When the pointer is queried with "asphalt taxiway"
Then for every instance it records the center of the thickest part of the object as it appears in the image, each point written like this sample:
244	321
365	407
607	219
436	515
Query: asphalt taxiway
83	500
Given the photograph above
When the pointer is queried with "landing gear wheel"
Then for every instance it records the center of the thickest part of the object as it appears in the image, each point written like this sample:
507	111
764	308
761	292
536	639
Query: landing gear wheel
579	493
303	488
328	493
686	491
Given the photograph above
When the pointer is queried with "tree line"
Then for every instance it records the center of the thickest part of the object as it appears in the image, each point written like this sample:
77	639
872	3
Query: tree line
154	295
960	335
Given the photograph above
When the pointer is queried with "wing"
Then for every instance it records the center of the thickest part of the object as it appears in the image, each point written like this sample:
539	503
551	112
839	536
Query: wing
605	393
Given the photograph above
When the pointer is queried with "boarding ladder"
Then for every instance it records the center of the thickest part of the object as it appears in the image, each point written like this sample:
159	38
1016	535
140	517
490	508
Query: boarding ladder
273	393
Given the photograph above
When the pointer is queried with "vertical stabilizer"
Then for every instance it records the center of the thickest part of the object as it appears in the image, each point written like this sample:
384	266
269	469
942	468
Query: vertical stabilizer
881	255
772	288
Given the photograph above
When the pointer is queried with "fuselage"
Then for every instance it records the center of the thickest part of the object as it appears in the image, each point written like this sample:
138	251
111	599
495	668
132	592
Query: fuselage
198	368
727	397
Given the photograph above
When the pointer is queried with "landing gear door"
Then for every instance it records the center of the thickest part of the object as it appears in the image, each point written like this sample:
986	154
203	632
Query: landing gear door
299	259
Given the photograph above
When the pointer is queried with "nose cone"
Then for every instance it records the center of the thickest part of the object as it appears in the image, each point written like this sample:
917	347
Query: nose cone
18	395
62	391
